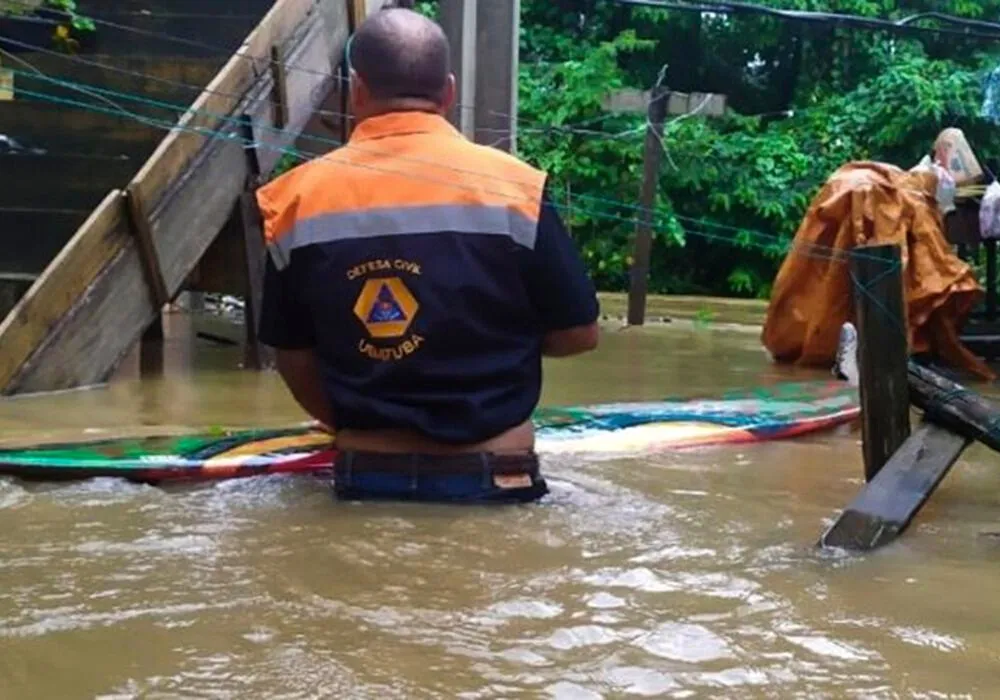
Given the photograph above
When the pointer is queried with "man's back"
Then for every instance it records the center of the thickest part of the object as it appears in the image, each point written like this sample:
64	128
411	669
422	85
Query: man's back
414	283
422	265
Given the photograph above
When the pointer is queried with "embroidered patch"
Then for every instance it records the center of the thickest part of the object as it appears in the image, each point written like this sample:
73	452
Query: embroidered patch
386	307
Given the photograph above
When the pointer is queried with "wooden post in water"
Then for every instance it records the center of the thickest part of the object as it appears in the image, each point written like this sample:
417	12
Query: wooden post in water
656	114
151	342
887	505
953	418
255	356
883	352
951	405
151	350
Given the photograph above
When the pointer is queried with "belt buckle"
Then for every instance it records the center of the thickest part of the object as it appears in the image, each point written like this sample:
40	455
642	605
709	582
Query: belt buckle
512	481
509	481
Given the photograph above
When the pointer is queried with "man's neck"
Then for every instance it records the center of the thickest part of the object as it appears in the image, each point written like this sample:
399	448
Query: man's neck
401	105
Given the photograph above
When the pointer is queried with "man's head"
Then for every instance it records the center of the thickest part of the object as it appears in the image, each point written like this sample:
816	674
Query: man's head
399	60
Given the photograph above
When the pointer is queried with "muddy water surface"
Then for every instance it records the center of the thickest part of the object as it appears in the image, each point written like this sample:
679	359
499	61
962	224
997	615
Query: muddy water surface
677	576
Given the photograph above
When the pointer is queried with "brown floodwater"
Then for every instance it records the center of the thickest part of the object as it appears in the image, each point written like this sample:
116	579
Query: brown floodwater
683	575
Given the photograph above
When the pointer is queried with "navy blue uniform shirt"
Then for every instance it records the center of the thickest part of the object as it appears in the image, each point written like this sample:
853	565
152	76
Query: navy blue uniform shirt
438	332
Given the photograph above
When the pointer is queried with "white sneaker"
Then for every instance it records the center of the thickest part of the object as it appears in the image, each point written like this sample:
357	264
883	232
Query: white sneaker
846	366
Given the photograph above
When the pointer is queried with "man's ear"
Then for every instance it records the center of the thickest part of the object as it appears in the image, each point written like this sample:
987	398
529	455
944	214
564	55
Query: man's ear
450	93
358	92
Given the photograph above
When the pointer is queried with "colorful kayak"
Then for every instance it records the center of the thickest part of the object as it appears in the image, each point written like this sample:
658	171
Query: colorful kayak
772	413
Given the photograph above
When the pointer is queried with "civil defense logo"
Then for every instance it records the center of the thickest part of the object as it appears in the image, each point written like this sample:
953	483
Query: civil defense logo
386	307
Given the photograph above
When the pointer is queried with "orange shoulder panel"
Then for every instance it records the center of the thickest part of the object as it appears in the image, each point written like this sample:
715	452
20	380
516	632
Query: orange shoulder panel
400	171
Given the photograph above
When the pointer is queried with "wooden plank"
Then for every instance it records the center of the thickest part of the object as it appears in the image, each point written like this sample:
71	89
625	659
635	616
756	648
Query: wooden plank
633	101
255	355
307	86
887	504
151	350
61	285
358	10
627	100
216	272
279	96
252	256
177	152
197	188
12	288
138	219
218	329
952	405
883	352
705	104
638	285
97	333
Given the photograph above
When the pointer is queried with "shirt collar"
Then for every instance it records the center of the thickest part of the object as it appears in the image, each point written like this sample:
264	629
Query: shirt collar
401	124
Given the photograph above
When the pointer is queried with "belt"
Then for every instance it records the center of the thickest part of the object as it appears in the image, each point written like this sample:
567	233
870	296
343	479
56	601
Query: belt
470	463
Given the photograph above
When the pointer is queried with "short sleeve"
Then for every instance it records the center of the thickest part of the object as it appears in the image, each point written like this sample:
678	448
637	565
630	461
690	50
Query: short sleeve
561	289
285	322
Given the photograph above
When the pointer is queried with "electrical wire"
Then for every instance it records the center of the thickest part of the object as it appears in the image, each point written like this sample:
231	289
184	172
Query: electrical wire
529	125
774	243
903	26
168	125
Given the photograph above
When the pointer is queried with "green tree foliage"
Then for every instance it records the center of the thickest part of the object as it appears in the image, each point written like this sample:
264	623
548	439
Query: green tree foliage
805	100
66	28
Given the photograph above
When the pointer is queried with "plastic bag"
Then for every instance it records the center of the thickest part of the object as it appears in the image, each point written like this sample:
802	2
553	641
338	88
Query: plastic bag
945	192
989	212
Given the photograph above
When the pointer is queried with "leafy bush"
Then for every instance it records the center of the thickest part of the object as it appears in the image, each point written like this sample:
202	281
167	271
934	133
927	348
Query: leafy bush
805	99
732	190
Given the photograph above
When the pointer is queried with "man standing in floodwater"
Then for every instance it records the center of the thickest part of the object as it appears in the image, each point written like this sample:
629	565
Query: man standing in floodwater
414	282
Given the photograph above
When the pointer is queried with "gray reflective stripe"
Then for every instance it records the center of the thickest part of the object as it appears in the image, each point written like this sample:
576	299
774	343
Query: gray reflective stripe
405	221
278	256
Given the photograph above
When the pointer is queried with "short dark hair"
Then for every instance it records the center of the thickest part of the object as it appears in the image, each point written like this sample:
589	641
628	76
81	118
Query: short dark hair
401	54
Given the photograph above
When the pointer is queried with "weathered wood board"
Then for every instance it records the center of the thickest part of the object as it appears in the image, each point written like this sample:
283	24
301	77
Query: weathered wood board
889	502
61	285
951	404
92	303
876	271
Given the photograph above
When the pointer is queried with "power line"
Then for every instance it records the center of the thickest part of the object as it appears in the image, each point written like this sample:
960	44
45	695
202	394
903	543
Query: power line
168	126
213	49
902	26
528	125
171	15
149	33
813	250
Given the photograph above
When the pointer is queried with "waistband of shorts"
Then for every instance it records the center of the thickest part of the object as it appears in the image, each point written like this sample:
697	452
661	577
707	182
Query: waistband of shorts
410	463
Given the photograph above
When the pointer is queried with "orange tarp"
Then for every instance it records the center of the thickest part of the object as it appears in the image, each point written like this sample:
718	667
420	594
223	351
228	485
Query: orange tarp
871	203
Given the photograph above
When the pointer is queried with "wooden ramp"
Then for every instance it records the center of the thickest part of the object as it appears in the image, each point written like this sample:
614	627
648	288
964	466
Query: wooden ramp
135	251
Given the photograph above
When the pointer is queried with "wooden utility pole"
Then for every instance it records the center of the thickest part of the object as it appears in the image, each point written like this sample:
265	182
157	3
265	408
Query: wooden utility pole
883	352
656	104
656	113
255	356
